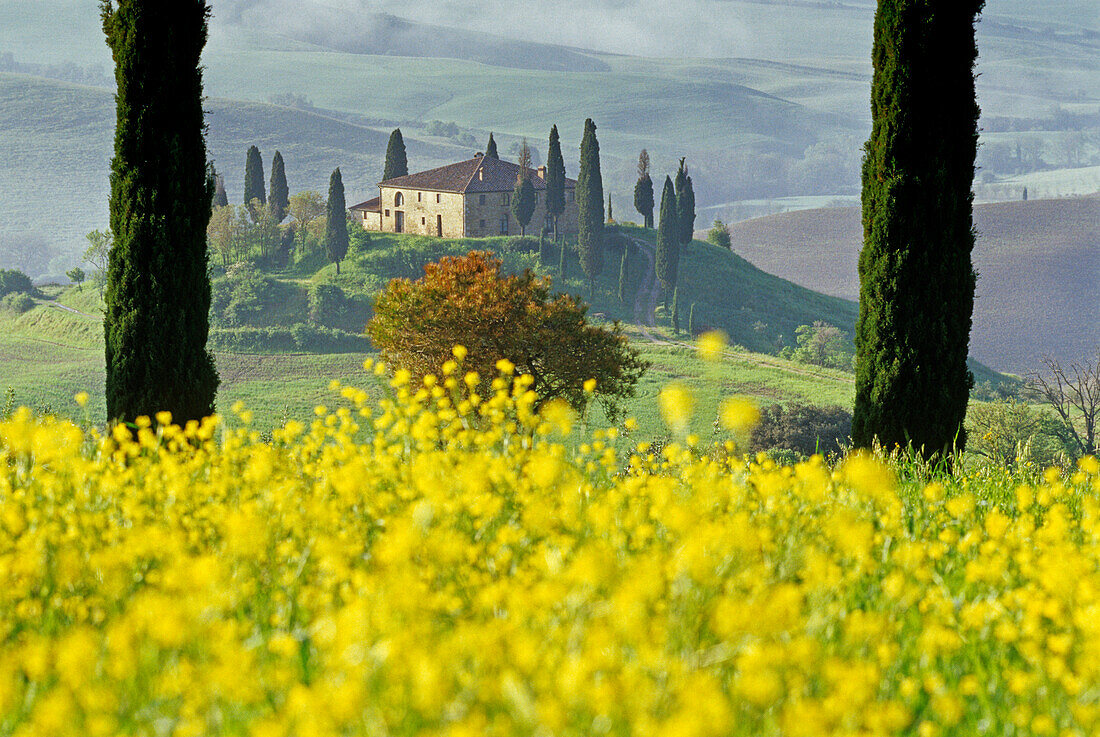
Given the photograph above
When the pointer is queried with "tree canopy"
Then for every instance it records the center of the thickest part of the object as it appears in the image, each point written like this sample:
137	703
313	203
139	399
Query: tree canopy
336	221
156	320
254	177
916	276
643	190
397	160
555	179
590	212
491	148
280	193
467	301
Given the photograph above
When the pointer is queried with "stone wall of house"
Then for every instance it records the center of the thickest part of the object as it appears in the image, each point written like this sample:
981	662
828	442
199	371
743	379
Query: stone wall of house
424	212
473	215
486	213
370	220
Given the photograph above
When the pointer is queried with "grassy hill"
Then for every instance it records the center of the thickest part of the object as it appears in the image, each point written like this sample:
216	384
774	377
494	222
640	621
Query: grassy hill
1037	263
49	353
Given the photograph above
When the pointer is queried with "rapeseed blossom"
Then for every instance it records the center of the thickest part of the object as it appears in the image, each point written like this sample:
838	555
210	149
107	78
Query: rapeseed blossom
444	562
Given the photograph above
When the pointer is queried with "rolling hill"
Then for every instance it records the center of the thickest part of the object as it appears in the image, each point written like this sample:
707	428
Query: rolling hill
1038	264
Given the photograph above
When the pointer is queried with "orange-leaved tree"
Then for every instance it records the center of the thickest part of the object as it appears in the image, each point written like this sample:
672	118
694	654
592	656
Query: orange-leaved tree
467	301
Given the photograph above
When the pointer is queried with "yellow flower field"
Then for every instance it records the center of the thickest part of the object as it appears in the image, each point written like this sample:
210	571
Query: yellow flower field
447	564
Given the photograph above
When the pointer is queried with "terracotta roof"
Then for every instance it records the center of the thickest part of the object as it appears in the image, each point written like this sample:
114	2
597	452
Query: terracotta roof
373	205
473	175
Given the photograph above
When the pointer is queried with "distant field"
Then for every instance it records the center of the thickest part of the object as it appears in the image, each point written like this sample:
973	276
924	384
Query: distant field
1038	265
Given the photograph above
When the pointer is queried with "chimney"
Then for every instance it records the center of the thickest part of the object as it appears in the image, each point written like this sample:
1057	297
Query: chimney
481	174
478	155
541	172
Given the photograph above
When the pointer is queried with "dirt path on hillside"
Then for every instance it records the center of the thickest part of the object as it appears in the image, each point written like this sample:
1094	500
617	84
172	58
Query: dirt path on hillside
645	302
66	308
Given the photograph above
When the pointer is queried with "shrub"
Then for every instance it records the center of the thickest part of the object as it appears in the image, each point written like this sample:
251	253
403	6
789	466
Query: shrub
17	302
824	345
1007	431
327	304
719	235
12	280
299	337
803	428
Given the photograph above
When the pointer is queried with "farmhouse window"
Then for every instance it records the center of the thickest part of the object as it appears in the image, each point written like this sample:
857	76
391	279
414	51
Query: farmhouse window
398	200
387	213
481	199
506	199
571	195
423	221
438	199
504	226
481	225
419	196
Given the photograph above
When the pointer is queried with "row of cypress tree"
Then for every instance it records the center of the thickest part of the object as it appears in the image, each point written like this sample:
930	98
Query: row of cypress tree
254	184
916	276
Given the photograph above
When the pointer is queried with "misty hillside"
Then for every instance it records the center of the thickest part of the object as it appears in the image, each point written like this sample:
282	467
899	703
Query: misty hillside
57	142
1038	264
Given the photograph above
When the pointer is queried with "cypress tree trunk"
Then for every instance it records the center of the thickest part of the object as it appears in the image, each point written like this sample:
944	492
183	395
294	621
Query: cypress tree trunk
691	321
158	294
280	193
916	277
561	263
590	206
676	310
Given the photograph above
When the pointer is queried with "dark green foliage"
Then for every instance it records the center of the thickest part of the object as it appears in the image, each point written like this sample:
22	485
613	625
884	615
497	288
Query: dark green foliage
643	190
76	275
221	199
624	271
719	235
916	277
336	221
802	428
691	320
610	212
12	280
280	193
254	178
590	205
327	303
676	309
555	180
668	239
17	302
523	200
158	294
296	338
397	161
685	204
491	148
242	295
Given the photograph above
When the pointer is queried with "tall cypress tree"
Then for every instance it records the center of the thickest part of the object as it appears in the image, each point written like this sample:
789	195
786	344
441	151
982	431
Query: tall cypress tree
221	199
555	180
254	178
610	212
667	261
916	277
685	204
280	193
643	190
590	206
158	294
523	195
336	220
491	148
397	160
624	271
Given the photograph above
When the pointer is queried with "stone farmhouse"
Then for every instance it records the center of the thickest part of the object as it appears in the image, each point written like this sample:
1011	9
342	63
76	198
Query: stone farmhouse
469	199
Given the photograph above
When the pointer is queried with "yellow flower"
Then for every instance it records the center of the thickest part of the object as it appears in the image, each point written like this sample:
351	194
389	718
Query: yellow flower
81	398
711	345
677	404
739	414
